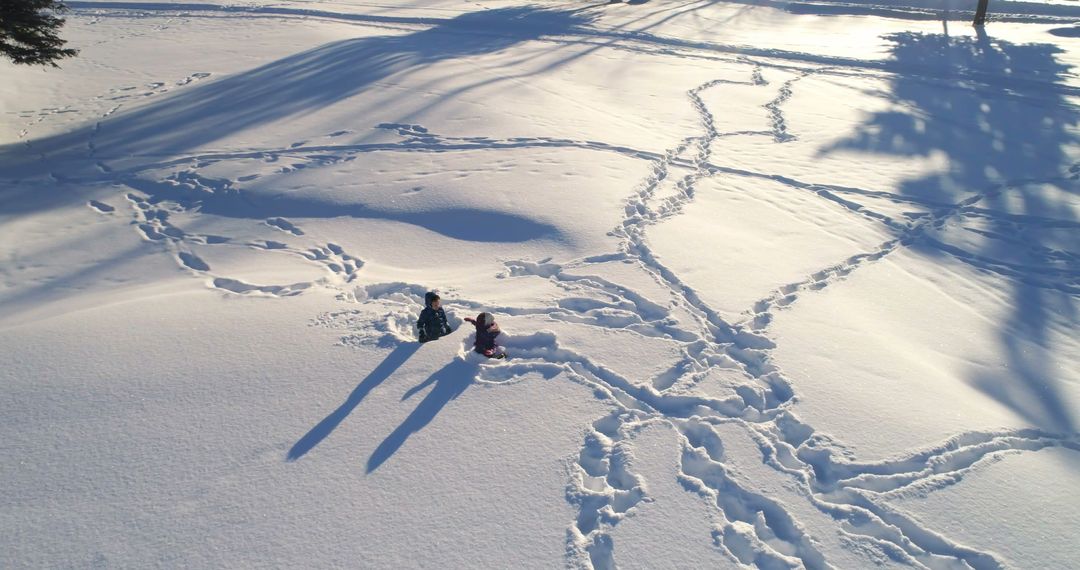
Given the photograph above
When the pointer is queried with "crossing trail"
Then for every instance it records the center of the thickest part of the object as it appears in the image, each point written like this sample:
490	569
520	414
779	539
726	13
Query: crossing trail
789	179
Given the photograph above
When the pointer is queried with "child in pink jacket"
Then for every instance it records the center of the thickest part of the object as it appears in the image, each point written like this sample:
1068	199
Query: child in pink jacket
486	331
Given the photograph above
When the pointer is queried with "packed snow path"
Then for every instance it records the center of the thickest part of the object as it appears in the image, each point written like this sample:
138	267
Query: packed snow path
803	500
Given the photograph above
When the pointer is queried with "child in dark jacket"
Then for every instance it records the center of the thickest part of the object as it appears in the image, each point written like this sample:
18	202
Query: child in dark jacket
486	331
432	322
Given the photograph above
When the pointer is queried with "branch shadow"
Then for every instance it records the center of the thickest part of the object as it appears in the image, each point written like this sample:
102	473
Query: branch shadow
60	171
281	90
388	366
1005	138
302	82
467	224
450	382
908	10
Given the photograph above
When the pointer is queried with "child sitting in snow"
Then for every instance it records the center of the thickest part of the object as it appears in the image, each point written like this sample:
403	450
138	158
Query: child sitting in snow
486	331
432	322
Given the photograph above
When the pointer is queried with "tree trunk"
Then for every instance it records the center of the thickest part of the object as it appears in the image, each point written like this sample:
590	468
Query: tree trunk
980	13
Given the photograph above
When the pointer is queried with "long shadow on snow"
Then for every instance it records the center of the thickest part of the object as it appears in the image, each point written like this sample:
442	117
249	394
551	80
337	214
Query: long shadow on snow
468	224
277	91
995	137
242	10
388	366
908	10
300	83
450	382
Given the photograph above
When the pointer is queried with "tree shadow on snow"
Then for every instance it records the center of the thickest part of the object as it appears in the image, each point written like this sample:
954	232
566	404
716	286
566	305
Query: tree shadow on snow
279	91
450	382
997	112
388	366
469	224
301	83
930	10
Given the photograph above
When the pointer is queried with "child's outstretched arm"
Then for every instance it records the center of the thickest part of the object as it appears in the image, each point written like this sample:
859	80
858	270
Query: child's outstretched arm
422	324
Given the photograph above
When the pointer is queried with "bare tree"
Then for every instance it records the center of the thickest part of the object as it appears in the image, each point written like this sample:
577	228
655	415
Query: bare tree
980	13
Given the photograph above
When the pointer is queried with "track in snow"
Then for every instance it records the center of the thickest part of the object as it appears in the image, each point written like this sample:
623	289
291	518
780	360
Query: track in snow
752	528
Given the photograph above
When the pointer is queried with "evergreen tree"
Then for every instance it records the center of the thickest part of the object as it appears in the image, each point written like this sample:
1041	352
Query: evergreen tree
29	32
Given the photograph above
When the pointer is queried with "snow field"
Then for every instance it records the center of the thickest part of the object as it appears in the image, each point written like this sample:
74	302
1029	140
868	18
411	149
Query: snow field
777	293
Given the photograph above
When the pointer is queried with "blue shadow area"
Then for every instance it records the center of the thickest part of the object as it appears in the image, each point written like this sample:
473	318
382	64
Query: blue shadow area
290	87
938	10
1066	32
450	382
279	91
377	376
478	225
470	224
998	114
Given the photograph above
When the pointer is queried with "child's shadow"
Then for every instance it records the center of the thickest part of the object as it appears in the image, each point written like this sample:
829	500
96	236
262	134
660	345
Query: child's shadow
392	362
450	382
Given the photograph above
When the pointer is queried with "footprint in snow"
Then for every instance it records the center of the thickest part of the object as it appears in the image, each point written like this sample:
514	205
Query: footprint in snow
100	207
284	225
193	261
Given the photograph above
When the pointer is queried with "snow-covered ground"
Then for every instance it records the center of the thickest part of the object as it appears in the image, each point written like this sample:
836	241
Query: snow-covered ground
784	285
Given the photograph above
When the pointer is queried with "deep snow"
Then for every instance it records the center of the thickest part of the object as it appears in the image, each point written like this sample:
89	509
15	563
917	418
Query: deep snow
784	285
